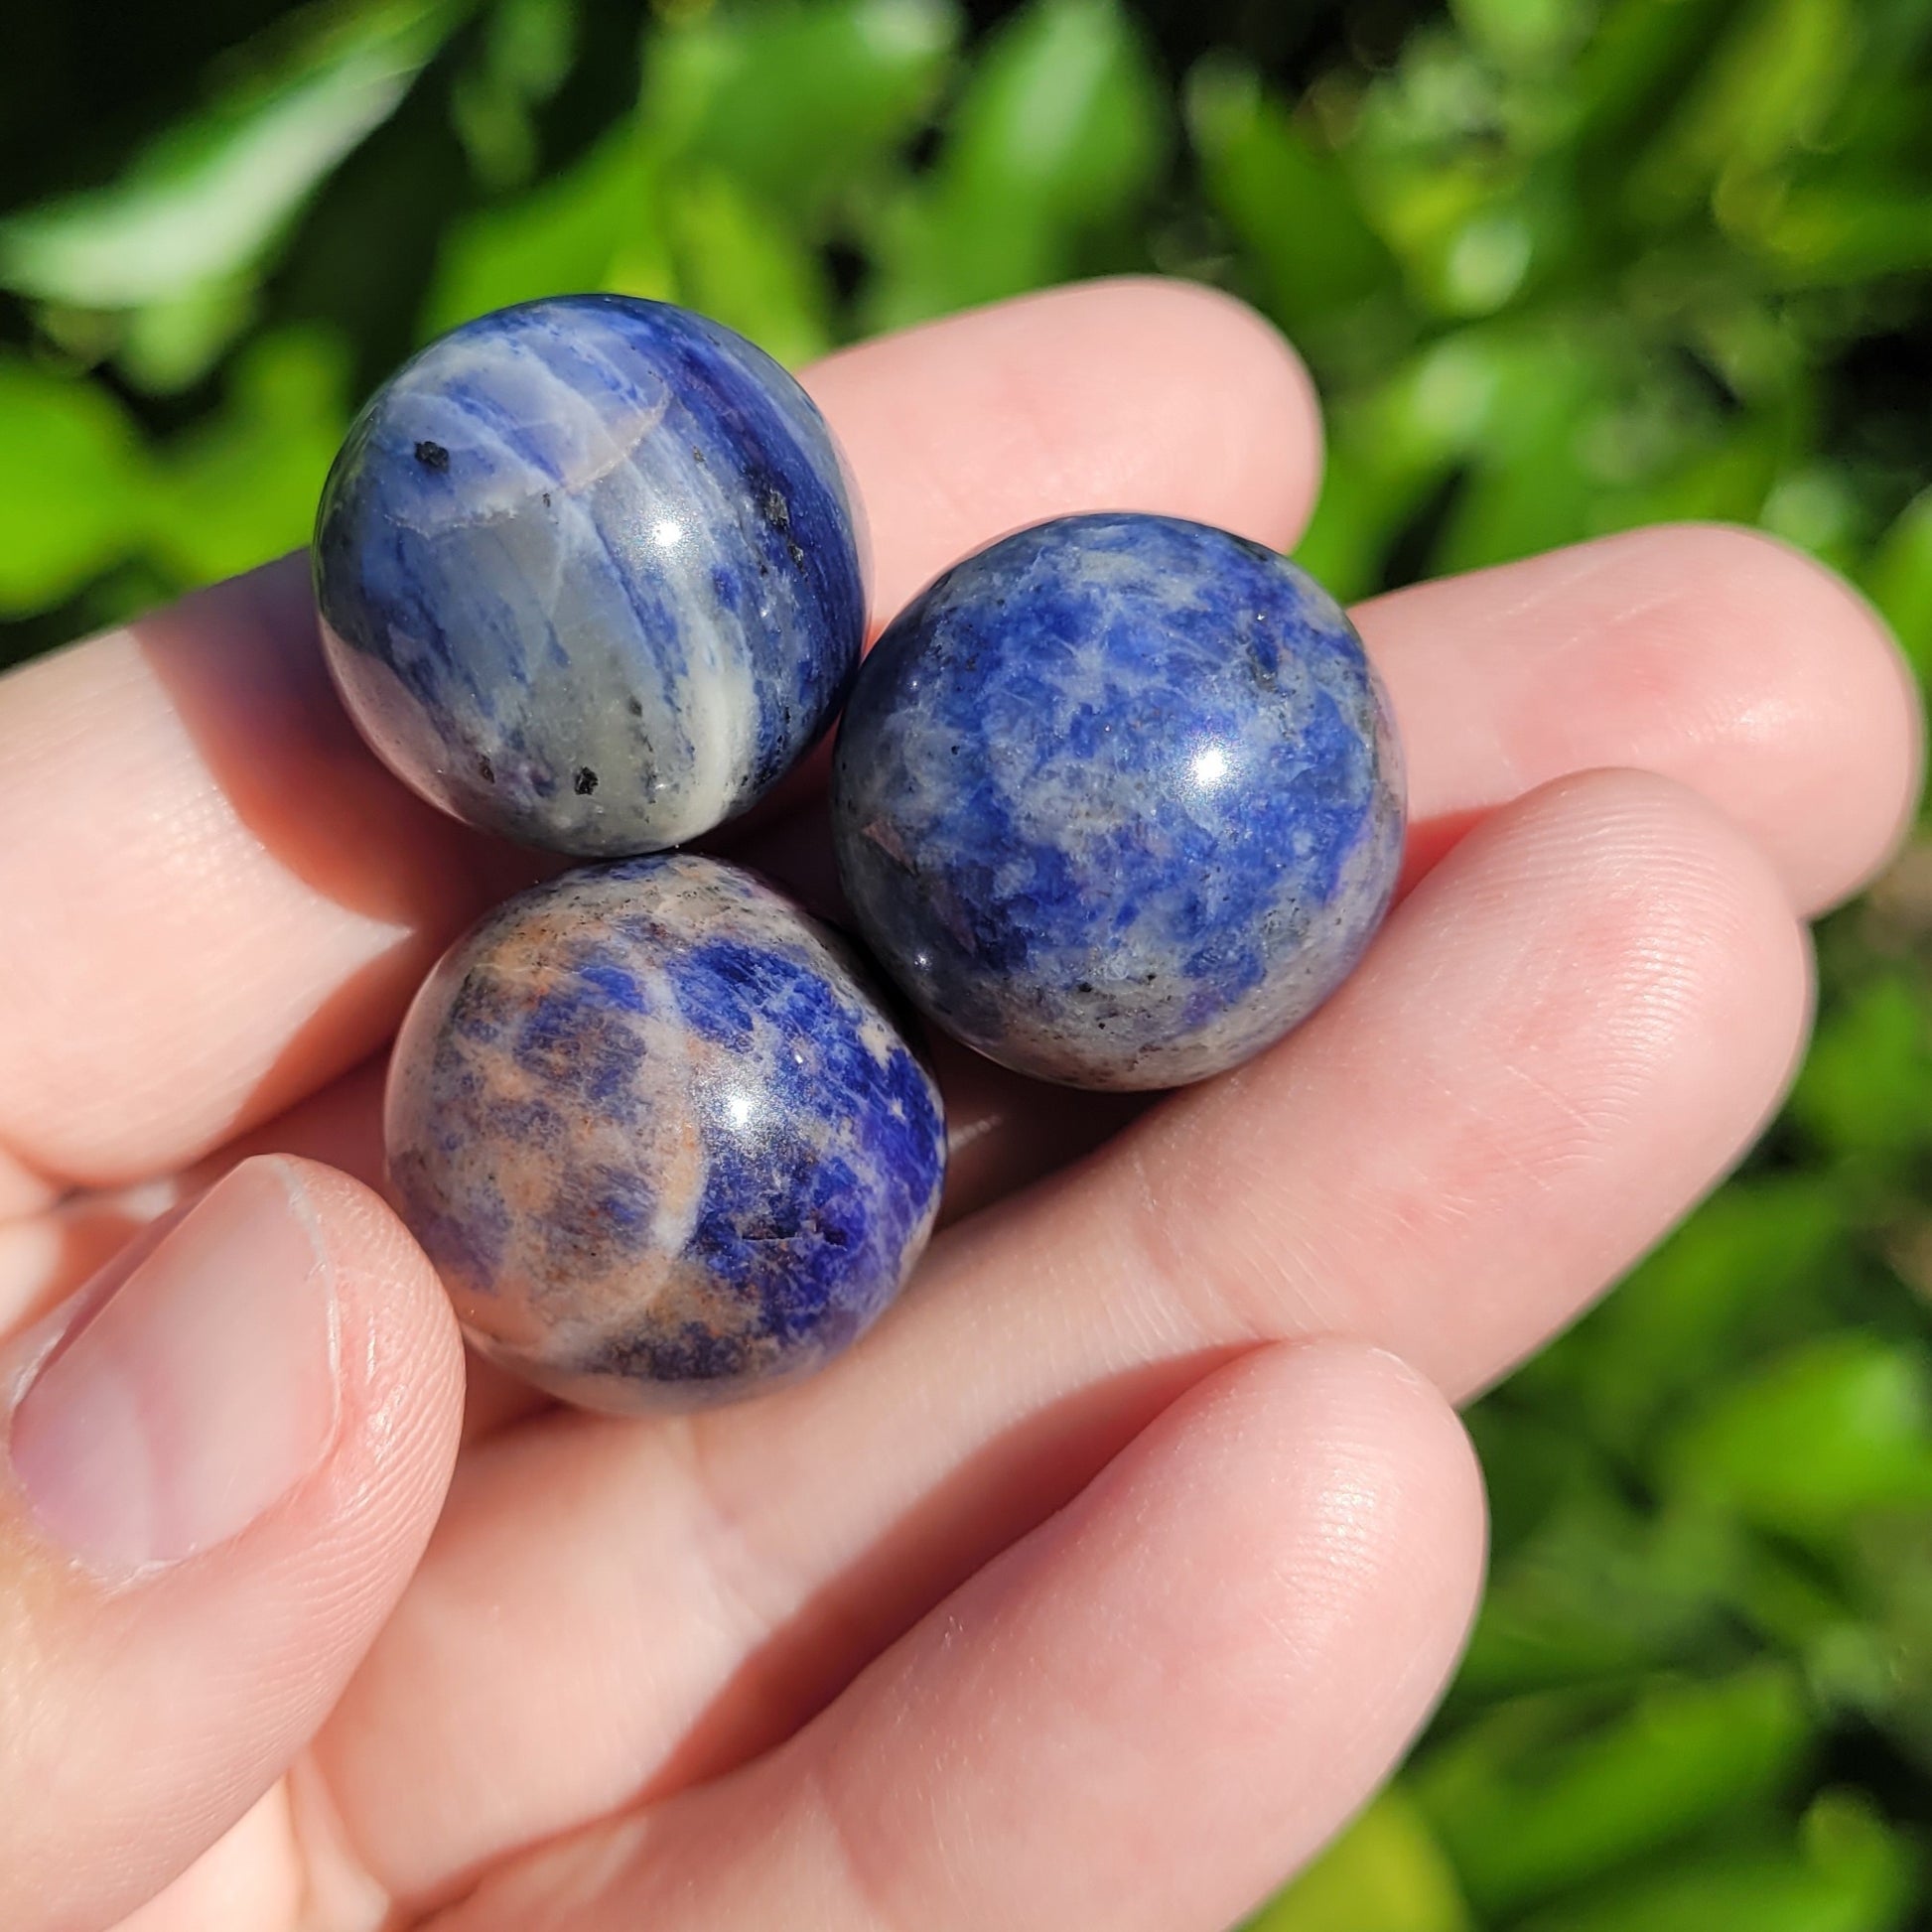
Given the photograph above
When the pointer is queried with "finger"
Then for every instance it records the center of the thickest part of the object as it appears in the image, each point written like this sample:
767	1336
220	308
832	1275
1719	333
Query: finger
222	1463
1712	655
964	428
216	901
1142	1715
1561	1038
251	1880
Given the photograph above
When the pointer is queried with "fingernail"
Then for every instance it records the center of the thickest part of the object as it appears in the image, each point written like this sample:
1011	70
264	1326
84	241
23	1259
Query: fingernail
198	1394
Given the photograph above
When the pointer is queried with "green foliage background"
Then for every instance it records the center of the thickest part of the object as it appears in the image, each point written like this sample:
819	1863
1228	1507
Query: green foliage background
1561	267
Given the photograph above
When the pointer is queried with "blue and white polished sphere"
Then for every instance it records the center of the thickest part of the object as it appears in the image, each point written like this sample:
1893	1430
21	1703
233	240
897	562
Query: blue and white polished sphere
589	574
1118	800
659	1137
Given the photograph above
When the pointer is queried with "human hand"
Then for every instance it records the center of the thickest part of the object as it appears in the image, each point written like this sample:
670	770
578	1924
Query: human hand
1115	1568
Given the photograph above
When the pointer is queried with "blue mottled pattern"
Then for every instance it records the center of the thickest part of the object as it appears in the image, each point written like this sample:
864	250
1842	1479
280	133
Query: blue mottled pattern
1118	800
659	1137
589	574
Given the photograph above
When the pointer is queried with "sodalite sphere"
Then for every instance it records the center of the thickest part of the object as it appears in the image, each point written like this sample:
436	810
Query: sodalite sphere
659	1137
588	574
1118	800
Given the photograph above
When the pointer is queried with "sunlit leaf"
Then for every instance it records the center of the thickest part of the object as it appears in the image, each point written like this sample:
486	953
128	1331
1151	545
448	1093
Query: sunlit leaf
1724	481
73	484
597	226
1866	1091
1848	1872
799	101
1738	1273
1823	235
526	56
1770	86
1836	1427
1395	445
1533	1797
1530	33
1527	490
244	488
209	200
740	263
1814	506
1289	205
1597	1592
1899	578
1385	1873
1053	144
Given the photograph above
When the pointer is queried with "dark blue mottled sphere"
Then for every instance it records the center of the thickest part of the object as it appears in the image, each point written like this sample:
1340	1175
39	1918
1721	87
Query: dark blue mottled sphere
1118	800
659	1137
588	574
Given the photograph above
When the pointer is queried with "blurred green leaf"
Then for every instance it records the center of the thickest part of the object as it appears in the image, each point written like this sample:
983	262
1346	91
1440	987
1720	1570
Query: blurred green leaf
1287	204
1385	1873
799	101
1695	1306
1821	235
1530	33
1814	506
1526	489
597	226
207	202
1850	1873
746	267
1770	88
1532	1797
1879	1663
1900	579
1393	443
73	484
1053	144
1631	78
1724	479
1836	1427
1355	519
1598	1591
525	57
1866	1090
245	487
169	346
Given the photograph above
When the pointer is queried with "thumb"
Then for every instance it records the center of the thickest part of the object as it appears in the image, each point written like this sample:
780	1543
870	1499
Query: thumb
222	1460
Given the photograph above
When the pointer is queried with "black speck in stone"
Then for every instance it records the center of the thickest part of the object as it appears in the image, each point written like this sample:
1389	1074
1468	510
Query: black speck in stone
486	772
797	555
432	456
585	782
778	512
697	456
637	707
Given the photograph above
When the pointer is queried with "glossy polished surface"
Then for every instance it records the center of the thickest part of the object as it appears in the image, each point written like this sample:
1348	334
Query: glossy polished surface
589	574
1118	800
659	1137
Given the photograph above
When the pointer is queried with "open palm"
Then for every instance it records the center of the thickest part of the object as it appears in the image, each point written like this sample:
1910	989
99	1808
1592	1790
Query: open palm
1116	1567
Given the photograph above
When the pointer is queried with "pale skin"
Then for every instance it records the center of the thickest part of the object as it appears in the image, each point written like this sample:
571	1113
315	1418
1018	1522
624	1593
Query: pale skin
1115	1569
